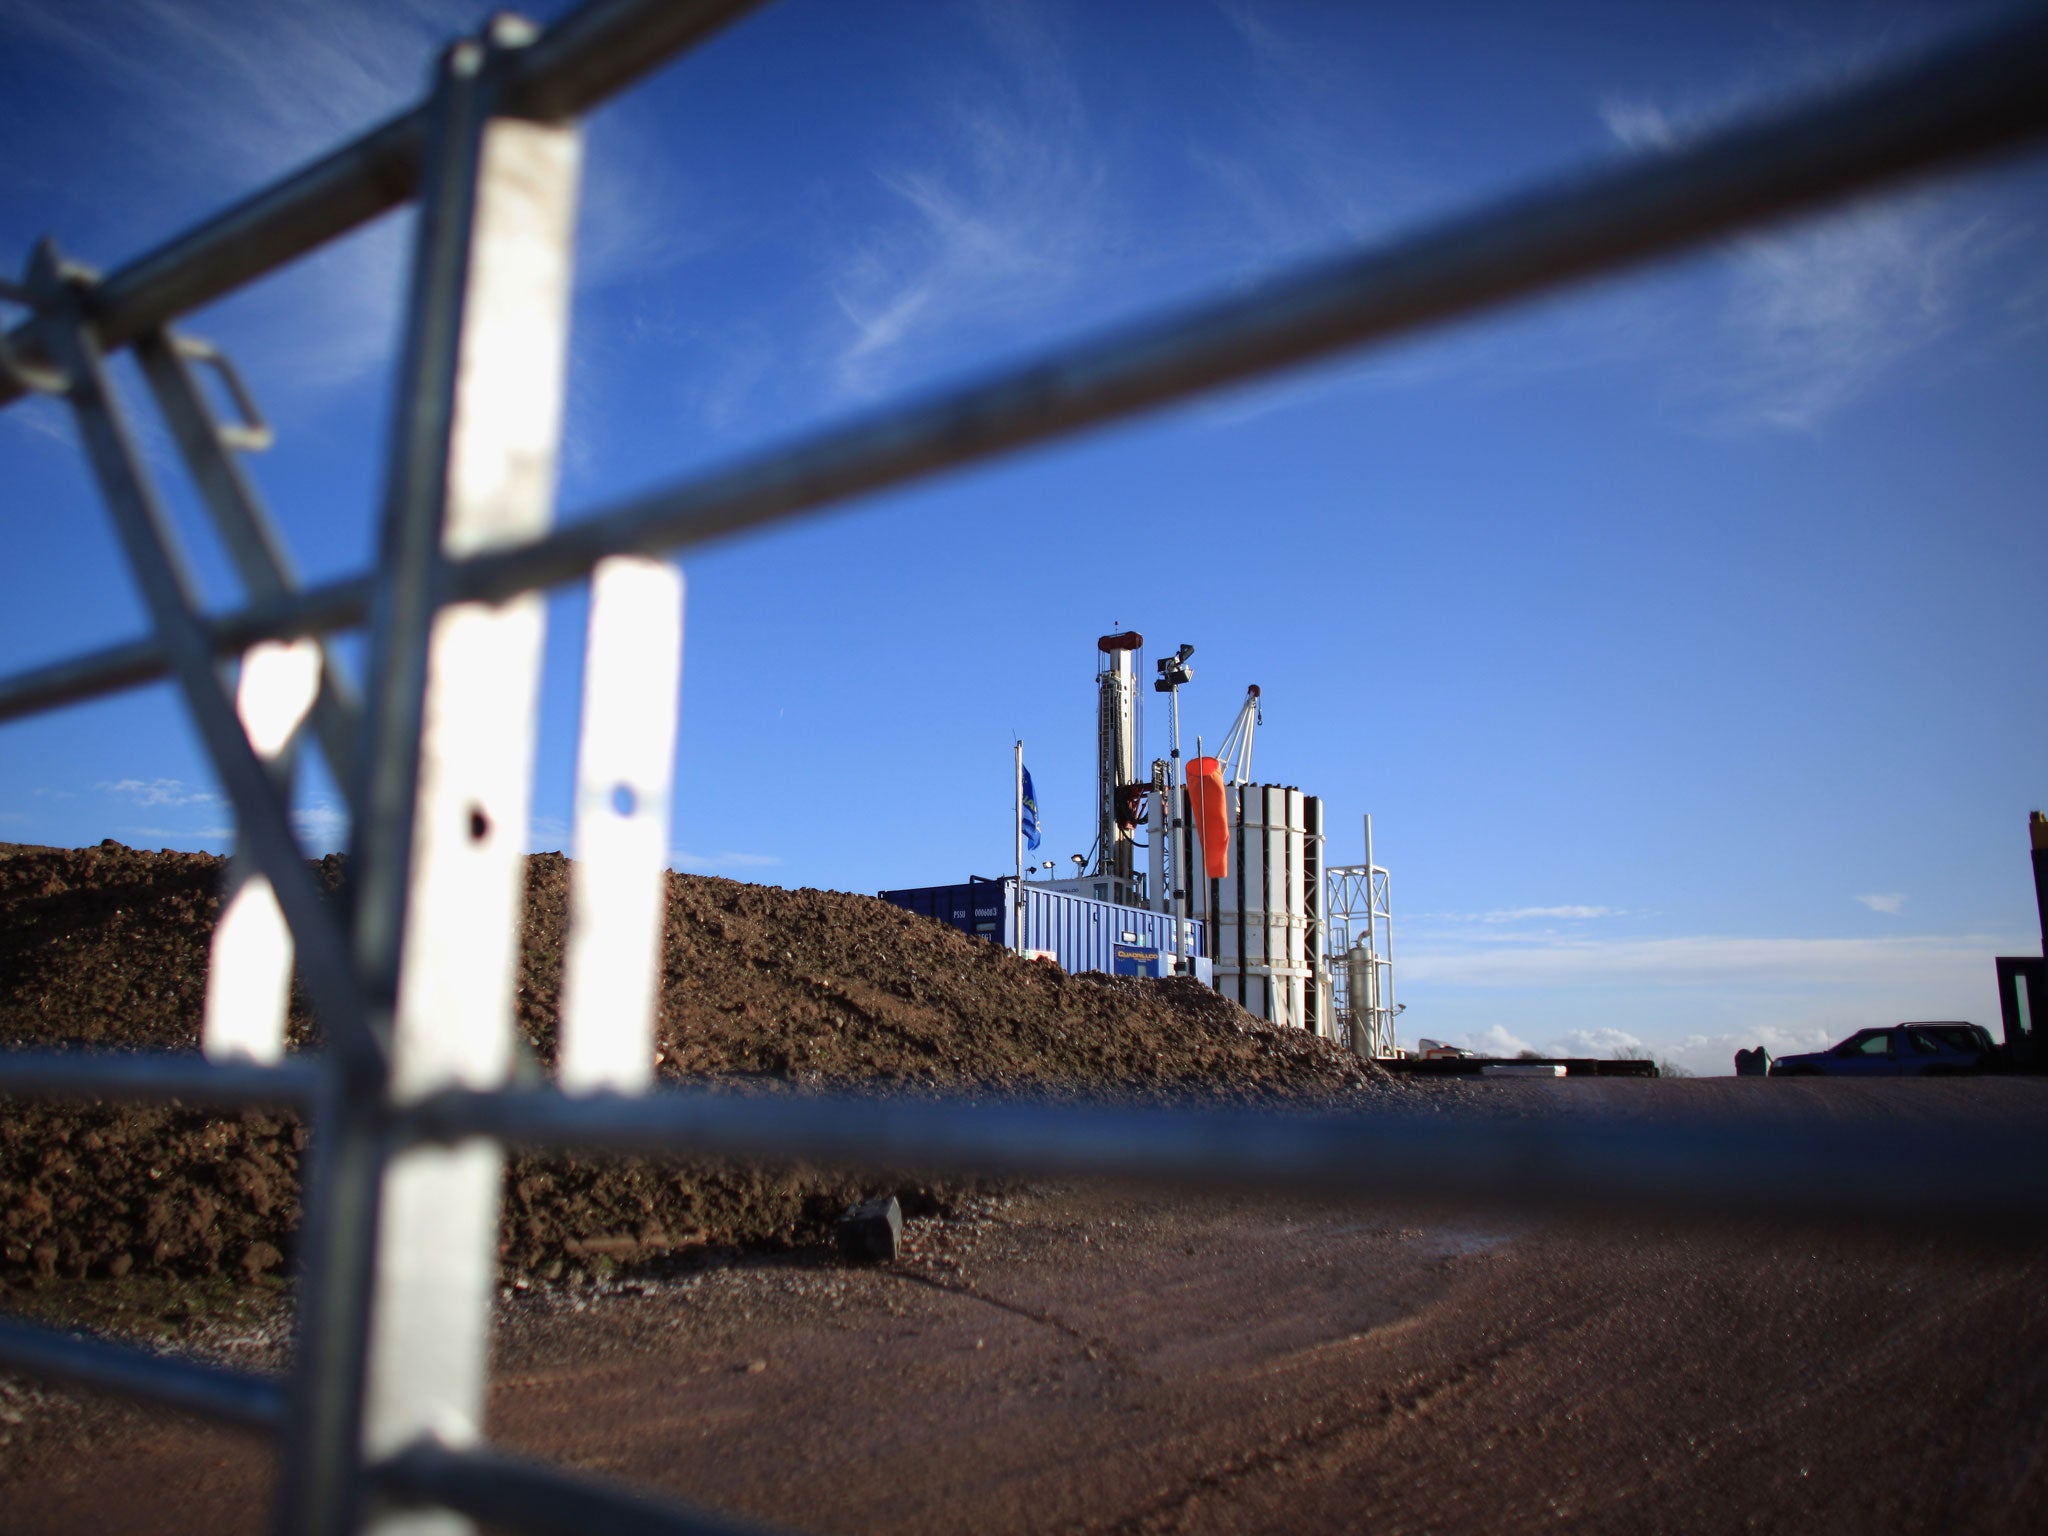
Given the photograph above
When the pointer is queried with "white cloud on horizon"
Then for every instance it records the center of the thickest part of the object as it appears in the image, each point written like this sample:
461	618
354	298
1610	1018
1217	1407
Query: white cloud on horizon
1507	916
205	839
1769	1022
1715	1053
1718	960
683	859
158	792
1602	1044
1527	914
1496	1041
322	826
1695	999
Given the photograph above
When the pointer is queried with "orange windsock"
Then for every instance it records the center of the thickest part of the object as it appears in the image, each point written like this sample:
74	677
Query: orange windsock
1211	812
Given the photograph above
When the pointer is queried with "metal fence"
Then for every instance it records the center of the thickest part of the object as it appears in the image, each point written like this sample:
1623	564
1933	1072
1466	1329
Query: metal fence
379	1419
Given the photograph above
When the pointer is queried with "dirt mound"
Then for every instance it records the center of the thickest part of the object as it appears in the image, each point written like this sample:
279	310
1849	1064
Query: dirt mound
761	987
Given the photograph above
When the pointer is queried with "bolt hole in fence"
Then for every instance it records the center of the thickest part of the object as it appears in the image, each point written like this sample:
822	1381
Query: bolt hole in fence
1487	1314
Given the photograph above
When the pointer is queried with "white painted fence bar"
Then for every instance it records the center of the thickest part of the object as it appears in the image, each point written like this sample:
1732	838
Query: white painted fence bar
249	969
504	221
625	764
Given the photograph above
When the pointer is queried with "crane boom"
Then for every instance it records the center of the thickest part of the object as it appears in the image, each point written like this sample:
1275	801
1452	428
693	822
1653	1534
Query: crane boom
1235	752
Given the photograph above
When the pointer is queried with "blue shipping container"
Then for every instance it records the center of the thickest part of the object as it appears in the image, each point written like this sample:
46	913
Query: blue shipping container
1082	934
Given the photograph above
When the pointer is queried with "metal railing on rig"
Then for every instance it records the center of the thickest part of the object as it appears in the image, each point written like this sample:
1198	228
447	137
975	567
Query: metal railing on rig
379	1418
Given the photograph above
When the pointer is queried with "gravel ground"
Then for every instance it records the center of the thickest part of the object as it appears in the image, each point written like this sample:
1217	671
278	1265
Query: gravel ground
1079	1360
1040	1359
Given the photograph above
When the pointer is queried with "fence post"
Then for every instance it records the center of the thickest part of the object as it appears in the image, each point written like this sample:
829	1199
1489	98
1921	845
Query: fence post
400	1315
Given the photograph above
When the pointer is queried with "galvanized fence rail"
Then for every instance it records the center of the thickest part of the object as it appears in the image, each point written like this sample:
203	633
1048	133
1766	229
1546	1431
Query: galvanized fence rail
379	1419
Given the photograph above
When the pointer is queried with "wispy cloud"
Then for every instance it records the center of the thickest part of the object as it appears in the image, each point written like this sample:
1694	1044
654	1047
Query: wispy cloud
997	219
1888	902
257	87
1813	317
158	792
223	97
41	418
1638	125
1527	914
1289	169
1506	915
1817	316
1793	326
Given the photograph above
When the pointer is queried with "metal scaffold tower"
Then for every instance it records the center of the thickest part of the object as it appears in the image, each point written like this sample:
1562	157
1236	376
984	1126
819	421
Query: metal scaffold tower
1361	918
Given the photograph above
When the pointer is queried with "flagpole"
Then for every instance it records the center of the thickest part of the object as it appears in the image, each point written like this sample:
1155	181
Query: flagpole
1208	917
1017	916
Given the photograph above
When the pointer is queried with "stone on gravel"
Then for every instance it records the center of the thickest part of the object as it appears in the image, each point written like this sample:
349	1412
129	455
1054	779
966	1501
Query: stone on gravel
871	1231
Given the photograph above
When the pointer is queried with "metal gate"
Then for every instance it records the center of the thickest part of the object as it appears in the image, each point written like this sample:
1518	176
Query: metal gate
379	1421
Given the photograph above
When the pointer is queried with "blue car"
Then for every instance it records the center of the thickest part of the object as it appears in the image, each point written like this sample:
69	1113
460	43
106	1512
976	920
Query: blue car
1937	1048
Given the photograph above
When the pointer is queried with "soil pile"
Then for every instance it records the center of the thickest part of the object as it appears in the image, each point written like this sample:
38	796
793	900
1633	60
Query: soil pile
761	988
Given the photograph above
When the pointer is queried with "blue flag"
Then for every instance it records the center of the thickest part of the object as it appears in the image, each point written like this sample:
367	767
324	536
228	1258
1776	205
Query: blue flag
1030	813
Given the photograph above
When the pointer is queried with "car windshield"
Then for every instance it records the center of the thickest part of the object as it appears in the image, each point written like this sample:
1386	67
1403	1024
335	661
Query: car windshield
1871	1042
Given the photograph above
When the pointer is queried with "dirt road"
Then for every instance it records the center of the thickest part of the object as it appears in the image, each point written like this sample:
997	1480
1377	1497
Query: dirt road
1100	1362
1099	1365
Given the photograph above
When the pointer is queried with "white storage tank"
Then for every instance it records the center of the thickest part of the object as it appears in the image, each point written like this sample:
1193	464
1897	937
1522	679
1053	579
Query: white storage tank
1265	916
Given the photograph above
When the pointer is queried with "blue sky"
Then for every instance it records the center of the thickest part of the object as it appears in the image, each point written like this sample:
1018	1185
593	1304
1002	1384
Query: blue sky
1680	633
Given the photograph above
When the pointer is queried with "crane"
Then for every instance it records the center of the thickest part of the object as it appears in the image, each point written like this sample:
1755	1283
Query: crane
1235	752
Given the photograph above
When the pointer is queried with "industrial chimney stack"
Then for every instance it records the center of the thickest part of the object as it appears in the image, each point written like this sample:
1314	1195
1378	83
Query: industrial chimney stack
1116	753
2037	827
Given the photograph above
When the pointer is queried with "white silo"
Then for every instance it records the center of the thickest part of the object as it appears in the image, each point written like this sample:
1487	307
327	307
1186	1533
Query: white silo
1265	915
